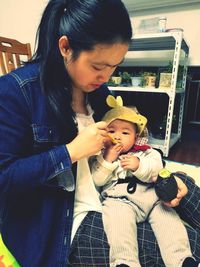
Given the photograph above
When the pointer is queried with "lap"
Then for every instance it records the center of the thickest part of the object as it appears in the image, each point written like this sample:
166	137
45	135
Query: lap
189	207
90	246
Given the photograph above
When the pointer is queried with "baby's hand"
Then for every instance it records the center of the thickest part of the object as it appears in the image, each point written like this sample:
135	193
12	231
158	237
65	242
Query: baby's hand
130	162
112	151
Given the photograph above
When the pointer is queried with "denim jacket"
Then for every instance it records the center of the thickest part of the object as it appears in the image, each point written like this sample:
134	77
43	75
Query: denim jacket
36	179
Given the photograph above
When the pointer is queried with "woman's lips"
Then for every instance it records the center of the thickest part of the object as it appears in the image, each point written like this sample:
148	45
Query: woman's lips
96	85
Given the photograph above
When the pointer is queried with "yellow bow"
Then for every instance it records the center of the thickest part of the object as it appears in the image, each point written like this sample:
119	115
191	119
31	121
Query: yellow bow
114	102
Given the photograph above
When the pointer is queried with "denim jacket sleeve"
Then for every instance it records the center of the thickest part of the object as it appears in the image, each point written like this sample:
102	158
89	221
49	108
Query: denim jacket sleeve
20	168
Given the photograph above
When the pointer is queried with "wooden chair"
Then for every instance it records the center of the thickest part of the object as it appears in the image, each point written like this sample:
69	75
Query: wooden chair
12	54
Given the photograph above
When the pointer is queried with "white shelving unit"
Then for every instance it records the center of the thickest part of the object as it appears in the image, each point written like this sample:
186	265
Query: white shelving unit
163	42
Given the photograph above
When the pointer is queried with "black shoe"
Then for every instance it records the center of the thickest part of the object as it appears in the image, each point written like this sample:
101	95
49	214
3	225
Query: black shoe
190	262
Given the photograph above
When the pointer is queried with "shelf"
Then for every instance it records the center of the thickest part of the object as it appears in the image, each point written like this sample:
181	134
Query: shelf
143	5
168	91
174	46
160	143
158	41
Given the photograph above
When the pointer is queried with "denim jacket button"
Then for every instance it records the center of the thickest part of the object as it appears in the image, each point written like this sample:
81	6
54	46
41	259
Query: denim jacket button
67	212
62	166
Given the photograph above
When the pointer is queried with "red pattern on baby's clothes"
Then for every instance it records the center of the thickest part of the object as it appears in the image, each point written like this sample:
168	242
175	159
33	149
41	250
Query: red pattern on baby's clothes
136	148
141	143
143	138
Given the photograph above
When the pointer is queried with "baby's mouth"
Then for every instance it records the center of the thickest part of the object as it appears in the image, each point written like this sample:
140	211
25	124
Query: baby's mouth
114	141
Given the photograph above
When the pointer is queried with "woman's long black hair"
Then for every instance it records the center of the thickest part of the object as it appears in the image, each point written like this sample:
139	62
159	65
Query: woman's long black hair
85	23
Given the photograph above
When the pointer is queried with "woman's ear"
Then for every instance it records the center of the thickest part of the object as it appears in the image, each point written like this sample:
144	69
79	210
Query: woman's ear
64	47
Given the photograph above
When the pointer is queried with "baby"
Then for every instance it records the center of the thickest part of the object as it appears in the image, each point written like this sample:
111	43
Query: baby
123	173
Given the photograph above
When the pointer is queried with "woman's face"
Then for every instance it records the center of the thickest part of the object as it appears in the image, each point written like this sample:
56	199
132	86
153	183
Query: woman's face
93	68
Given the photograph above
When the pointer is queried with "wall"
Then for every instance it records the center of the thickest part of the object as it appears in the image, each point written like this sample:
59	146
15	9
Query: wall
19	19
186	17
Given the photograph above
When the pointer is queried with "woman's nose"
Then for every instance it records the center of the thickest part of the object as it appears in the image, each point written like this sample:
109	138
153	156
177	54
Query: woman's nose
104	76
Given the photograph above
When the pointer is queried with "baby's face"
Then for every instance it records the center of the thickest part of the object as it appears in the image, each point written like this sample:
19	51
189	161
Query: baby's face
123	132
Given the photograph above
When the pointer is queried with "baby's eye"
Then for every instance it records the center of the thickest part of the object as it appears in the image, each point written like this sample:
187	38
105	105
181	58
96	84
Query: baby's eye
125	133
111	131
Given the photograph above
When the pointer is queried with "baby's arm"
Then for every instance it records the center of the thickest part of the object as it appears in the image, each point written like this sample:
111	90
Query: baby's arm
101	169
130	162
150	163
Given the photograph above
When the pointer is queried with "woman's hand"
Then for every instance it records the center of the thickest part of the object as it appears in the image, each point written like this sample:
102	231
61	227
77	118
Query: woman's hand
182	191
88	142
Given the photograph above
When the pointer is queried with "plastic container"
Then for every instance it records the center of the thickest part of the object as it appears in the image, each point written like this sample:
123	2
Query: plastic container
162	24
136	81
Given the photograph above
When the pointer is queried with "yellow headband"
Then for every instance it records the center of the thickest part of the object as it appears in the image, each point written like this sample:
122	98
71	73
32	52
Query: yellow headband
120	112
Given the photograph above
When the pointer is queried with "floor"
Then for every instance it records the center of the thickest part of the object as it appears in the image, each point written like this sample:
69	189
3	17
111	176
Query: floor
191	170
187	150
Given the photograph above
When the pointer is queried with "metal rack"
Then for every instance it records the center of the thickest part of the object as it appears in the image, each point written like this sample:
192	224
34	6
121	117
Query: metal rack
175	42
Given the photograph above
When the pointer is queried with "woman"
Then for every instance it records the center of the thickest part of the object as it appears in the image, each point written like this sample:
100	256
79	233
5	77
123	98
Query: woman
45	109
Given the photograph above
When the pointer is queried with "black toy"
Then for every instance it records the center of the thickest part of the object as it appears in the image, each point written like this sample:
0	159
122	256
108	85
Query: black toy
166	186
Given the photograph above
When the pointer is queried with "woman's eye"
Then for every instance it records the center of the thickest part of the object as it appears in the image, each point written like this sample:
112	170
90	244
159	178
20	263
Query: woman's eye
97	68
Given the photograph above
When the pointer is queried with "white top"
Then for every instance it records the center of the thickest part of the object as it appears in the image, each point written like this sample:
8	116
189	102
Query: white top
106	174
86	195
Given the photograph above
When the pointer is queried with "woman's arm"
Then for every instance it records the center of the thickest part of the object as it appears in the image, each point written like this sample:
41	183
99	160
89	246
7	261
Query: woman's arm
22	168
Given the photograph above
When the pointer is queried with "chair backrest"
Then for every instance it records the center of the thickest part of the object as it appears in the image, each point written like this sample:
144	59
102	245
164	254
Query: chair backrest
12	54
